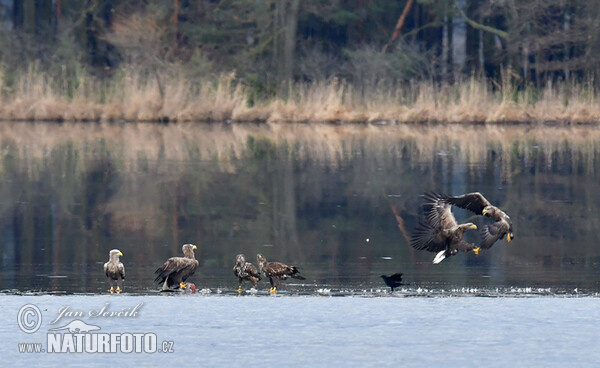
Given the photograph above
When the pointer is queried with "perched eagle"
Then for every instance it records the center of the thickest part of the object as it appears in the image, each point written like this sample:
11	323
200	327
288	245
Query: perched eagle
441	232
276	271
478	204
177	269
245	271
114	270
393	281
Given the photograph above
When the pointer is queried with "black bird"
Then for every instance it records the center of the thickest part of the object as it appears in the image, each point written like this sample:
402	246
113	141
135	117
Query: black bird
478	204
393	281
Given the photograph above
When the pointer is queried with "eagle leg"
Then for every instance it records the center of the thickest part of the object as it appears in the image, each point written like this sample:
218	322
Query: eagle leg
182	285
476	250
239	289
118	290
273	290
111	290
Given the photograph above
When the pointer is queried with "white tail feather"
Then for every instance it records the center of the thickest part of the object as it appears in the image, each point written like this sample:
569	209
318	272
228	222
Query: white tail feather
439	257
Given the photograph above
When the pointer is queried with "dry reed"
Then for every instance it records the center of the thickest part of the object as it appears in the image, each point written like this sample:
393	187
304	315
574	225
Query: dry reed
132	97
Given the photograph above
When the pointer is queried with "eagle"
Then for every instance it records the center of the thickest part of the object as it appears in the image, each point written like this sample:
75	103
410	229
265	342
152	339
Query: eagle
393	281
276	271
245	271
177	269
478	204
440	232
114	270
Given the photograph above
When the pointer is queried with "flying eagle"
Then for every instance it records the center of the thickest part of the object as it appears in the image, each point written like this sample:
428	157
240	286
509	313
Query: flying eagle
441	232
245	271
114	270
177	269
276	271
393	281
478	204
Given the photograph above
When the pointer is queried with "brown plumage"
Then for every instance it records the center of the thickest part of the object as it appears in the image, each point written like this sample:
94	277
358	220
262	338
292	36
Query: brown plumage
276	271
114	270
177	269
440	232
478	204
245	271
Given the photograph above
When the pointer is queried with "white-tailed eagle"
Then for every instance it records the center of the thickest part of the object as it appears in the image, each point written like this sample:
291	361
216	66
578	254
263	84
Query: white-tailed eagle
441	232
245	271
276	271
114	270
177	269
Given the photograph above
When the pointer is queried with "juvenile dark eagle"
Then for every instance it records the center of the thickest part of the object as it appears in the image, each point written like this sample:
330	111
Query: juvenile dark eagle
177	269
276	271
441	232
478	204
245	271
114	270
393	281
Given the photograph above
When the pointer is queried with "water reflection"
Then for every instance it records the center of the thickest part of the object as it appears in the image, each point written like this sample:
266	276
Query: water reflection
320	196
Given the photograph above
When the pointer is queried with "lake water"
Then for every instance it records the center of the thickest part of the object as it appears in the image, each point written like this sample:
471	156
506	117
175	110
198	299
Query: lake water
338	201
311	331
321	197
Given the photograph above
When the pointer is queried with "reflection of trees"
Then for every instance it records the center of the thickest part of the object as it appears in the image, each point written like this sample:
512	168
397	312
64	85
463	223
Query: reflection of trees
314	196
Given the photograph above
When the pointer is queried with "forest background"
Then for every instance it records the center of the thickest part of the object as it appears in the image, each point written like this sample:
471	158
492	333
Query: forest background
501	61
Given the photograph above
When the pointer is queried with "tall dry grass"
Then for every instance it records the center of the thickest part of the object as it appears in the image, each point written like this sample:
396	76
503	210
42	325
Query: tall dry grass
130	96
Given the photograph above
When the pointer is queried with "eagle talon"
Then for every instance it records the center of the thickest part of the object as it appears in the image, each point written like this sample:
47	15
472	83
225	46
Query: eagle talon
182	285
476	250
111	290
119	290
273	290
239	290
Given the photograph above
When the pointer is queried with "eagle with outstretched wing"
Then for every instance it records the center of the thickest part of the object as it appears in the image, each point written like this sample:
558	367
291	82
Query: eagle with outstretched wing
245	271
276	271
177	269
440	232
114	270
478	204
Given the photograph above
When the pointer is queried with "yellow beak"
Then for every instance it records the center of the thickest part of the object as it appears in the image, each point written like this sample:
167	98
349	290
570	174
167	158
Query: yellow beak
508	238
474	227
121	254
484	212
195	247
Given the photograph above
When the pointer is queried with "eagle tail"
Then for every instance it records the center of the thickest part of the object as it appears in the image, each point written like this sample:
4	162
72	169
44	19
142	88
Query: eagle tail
161	275
295	274
439	257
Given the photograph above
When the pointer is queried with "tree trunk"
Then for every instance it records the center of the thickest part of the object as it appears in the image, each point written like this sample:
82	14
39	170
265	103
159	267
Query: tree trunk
286	20
399	25
18	15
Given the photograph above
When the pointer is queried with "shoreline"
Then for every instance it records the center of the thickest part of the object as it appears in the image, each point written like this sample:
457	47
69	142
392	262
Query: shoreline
135	99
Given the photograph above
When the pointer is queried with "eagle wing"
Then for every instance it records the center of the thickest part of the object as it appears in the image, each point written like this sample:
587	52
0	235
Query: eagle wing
174	265
428	237
252	271
492	233
189	268
106	269
277	269
438	212
474	202
122	270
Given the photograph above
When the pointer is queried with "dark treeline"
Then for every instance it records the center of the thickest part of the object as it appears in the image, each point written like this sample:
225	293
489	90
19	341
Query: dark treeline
272	43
